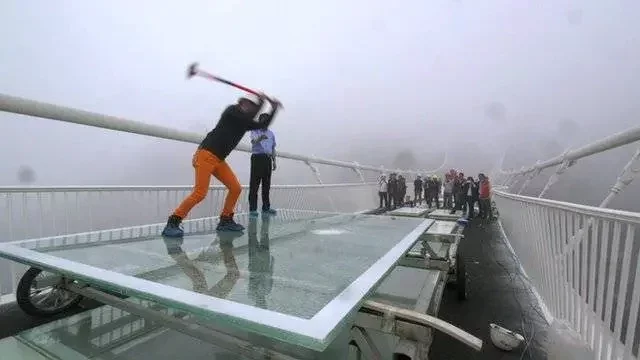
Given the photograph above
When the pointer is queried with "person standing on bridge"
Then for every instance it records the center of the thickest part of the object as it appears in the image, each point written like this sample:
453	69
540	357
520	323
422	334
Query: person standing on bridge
417	190
392	191
263	163
484	195
382	192
448	191
402	189
209	159
471	192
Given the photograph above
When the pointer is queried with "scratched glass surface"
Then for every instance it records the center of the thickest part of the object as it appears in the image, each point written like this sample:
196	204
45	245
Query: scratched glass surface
442	227
292	263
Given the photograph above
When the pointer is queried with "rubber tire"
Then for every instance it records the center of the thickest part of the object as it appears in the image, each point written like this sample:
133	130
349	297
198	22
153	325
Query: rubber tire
24	302
461	278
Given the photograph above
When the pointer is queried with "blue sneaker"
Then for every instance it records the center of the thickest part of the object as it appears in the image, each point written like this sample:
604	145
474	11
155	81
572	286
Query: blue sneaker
173	229
253	213
228	224
269	211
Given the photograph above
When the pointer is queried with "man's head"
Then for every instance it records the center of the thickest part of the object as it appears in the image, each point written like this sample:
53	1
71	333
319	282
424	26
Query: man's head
248	105
481	176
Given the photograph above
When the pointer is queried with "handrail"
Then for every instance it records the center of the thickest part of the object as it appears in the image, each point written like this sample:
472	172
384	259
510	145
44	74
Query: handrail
44	110
609	214
610	142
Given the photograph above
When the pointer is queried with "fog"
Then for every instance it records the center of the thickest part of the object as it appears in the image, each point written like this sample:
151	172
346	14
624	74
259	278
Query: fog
360	80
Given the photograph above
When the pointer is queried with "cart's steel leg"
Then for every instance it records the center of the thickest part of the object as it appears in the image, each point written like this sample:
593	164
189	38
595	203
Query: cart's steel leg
365	343
354	352
426	248
427	320
225	341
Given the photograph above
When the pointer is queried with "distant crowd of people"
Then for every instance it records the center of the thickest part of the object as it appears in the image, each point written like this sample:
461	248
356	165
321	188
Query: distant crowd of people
459	193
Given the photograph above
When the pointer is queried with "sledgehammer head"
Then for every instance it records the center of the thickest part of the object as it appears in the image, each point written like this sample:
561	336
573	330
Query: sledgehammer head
192	70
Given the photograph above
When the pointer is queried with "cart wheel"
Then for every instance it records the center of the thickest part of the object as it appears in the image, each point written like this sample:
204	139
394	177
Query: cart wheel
41	294
461	278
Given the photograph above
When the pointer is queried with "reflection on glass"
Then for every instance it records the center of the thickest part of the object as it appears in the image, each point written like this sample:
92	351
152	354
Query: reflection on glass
110	333
223	287
260	262
294	264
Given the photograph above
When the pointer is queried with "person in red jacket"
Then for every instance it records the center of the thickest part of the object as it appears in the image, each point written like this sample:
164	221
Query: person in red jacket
484	196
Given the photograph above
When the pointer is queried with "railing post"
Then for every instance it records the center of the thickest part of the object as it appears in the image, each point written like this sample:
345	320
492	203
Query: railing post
315	171
627	175
356	168
566	163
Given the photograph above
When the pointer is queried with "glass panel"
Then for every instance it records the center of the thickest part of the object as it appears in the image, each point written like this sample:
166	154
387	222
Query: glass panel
294	264
10	348
435	249
405	286
110	333
442	227
410	211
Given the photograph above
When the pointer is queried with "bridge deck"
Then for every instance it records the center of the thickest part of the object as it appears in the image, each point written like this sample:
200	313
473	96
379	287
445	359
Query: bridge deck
495	295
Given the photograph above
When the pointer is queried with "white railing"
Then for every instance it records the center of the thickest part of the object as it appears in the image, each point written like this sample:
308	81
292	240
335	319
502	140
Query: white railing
584	263
582	260
33	212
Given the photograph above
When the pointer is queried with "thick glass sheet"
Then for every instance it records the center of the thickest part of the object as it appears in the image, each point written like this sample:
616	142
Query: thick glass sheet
295	277
444	214
410	211
406	287
442	227
433	249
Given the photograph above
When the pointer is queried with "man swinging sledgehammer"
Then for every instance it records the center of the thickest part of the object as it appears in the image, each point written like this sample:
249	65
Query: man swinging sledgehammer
209	158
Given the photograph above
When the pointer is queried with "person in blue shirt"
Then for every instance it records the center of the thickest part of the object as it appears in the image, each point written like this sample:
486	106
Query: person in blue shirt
263	163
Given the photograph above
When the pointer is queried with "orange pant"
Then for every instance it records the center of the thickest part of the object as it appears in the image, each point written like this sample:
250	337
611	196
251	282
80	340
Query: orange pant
206	164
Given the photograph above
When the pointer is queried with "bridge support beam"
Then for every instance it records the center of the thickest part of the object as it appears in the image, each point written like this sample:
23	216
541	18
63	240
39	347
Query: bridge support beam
315	170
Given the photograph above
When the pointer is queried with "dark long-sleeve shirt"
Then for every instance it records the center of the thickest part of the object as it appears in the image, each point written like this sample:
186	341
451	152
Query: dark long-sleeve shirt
417	185
231	127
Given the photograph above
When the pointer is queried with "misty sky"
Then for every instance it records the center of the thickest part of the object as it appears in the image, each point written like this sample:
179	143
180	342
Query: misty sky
355	76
